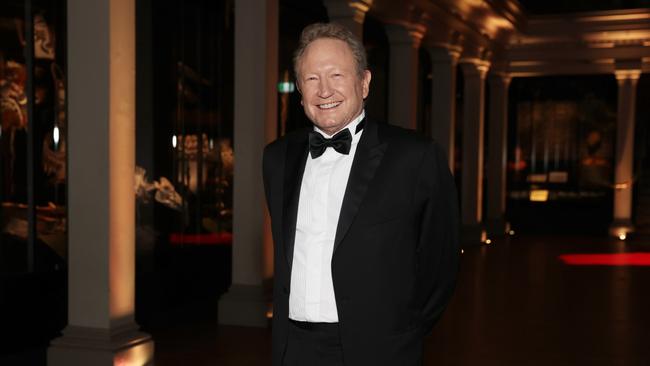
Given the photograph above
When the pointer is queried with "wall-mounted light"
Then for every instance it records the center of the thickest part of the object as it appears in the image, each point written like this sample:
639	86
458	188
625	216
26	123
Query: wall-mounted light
174	141
56	137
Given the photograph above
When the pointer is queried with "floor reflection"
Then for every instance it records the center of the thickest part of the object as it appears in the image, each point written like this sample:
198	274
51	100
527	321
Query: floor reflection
517	303
540	311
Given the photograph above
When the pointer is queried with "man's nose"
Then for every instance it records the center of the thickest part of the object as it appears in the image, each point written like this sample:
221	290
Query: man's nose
324	89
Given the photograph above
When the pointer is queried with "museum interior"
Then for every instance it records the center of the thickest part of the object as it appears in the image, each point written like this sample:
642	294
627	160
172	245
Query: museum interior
133	224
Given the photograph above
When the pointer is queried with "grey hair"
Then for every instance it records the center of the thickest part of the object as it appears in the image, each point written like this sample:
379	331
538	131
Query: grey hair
317	31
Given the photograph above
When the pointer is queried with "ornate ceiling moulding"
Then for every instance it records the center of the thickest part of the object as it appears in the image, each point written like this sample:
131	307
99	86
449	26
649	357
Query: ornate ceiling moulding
406	33
581	43
360	9
480	22
356	9
494	21
568	67
595	29
478	56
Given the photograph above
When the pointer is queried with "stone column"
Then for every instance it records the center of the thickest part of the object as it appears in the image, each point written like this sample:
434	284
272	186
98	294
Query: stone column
444	62
624	169
497	154
403	74
474	72
101	327
256	76
349	13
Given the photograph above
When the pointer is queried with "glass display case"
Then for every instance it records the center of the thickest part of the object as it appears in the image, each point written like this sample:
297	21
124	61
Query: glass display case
184	151
561	150
33	172
32	135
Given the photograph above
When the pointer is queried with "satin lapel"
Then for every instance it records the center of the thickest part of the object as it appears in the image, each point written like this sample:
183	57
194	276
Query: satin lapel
366	160
296	158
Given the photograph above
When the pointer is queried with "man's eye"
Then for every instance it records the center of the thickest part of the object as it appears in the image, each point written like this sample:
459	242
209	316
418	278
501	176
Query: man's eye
337	75
311	78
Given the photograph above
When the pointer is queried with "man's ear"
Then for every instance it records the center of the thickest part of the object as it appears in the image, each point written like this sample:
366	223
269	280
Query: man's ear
367	76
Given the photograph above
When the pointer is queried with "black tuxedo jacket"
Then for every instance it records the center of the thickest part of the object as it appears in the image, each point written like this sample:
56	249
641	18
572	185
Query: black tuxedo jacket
396	250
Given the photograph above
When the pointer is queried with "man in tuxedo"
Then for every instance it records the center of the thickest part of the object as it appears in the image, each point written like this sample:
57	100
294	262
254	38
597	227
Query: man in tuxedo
364	219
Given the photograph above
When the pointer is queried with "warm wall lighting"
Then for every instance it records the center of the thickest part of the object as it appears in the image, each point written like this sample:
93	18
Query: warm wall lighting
139	355
621	186
539	195
621	231
174	141
269	311
511	232
361	8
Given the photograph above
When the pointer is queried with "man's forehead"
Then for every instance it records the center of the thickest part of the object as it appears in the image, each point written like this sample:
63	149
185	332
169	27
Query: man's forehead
328	42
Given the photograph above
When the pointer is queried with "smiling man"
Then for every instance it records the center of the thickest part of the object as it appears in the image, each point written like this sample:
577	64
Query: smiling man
364	219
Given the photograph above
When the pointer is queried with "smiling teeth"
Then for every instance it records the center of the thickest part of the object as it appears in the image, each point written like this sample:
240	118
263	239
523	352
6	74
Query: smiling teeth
329	105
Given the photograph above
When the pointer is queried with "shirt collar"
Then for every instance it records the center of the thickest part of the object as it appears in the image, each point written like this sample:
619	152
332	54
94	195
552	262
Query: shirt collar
352	126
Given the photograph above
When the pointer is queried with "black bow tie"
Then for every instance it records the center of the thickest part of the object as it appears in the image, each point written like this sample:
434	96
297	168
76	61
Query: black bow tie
341	142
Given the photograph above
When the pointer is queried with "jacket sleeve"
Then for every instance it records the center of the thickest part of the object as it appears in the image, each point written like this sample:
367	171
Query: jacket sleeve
438	247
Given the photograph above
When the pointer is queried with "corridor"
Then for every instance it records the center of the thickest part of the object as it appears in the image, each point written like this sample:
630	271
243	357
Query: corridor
516	303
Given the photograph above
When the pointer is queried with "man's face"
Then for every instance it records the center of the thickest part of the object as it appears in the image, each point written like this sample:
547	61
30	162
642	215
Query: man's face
332	92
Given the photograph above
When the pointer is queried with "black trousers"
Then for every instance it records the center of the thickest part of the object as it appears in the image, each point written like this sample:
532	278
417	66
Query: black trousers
313	344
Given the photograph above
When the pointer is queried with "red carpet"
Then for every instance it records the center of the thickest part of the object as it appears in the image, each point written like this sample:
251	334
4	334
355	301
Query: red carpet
222	238
610	259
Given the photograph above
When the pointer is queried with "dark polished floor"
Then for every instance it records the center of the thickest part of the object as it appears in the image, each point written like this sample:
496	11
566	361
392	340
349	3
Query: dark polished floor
516	303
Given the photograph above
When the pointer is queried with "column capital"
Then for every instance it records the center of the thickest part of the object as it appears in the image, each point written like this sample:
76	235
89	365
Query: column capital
474	66
443	53
500	77
342	9
628	74
407	34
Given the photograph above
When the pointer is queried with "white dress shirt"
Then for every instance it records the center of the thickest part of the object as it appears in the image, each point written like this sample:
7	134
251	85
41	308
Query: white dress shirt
321	195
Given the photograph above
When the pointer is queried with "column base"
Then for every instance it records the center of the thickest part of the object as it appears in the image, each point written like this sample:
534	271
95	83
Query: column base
472	235
620	228
101	347
244	305
497	227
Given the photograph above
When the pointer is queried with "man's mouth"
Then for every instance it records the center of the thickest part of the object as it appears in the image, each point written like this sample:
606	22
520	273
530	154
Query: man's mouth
329	105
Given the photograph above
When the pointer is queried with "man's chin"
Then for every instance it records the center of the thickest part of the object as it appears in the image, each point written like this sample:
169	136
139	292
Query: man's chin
326	124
